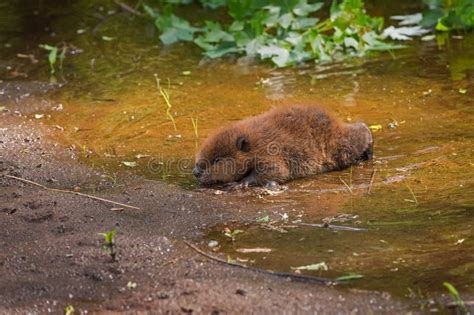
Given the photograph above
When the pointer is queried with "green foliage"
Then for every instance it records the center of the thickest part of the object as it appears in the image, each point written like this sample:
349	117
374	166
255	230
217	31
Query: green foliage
53	56
455	295
287	32
446	15
69	310
109	243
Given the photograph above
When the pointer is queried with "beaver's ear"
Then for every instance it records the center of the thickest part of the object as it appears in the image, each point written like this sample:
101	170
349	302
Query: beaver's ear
243	144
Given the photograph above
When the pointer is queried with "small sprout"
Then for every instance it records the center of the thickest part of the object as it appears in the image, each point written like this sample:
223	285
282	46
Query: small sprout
264	219
62	56
107	38
319	266
230	260
69	310
109	243
131	285
186	72
130	164
80	31
375	128
455	295
462	91
231	234
52	56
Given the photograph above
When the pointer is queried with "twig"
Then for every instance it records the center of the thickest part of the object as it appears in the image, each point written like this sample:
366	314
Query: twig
345	184
69	192
127	8
292	276
371	181
334	227
413	194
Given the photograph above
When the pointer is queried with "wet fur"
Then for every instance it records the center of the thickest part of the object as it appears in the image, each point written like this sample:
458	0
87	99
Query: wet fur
282	144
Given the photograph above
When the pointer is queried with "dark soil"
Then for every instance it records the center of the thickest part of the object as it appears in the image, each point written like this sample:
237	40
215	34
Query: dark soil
51	254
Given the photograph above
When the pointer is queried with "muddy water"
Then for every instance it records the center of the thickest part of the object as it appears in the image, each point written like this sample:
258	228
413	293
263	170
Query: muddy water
413	202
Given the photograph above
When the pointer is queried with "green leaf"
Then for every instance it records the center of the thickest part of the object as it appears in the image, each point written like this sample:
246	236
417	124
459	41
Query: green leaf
303	23
170	36
285	20
279	55
348	277
214	33
441	27
174	29
304	9
236	26
150	11
201	42
222	49
109	237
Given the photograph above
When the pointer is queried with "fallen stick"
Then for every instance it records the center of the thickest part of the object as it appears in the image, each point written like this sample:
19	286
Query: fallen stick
334	227
69	192
127	8
292	276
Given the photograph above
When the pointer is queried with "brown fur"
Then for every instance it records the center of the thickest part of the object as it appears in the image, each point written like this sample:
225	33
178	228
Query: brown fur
281	144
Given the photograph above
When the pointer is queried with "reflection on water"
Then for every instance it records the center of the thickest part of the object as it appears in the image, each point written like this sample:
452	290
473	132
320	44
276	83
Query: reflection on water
419	210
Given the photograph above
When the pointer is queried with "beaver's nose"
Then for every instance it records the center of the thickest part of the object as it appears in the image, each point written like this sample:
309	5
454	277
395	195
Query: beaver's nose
197	171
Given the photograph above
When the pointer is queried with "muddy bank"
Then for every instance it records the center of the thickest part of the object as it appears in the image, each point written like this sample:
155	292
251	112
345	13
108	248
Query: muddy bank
51	254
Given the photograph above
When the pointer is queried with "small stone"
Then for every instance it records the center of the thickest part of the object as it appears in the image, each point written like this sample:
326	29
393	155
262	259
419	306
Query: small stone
213	244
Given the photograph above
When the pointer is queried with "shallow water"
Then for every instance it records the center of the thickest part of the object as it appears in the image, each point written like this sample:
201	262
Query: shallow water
419	210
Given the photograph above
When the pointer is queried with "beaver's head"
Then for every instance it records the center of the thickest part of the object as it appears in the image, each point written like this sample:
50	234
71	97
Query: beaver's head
224	157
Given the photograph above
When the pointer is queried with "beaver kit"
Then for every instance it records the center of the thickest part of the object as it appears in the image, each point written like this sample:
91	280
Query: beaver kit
282	144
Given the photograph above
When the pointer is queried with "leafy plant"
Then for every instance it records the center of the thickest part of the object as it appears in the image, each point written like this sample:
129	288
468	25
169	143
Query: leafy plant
455	295
446	15
287	32
69	310
231	234
109	243
53	56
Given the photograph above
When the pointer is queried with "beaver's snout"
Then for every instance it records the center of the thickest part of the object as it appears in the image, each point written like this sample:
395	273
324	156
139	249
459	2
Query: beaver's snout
197	171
